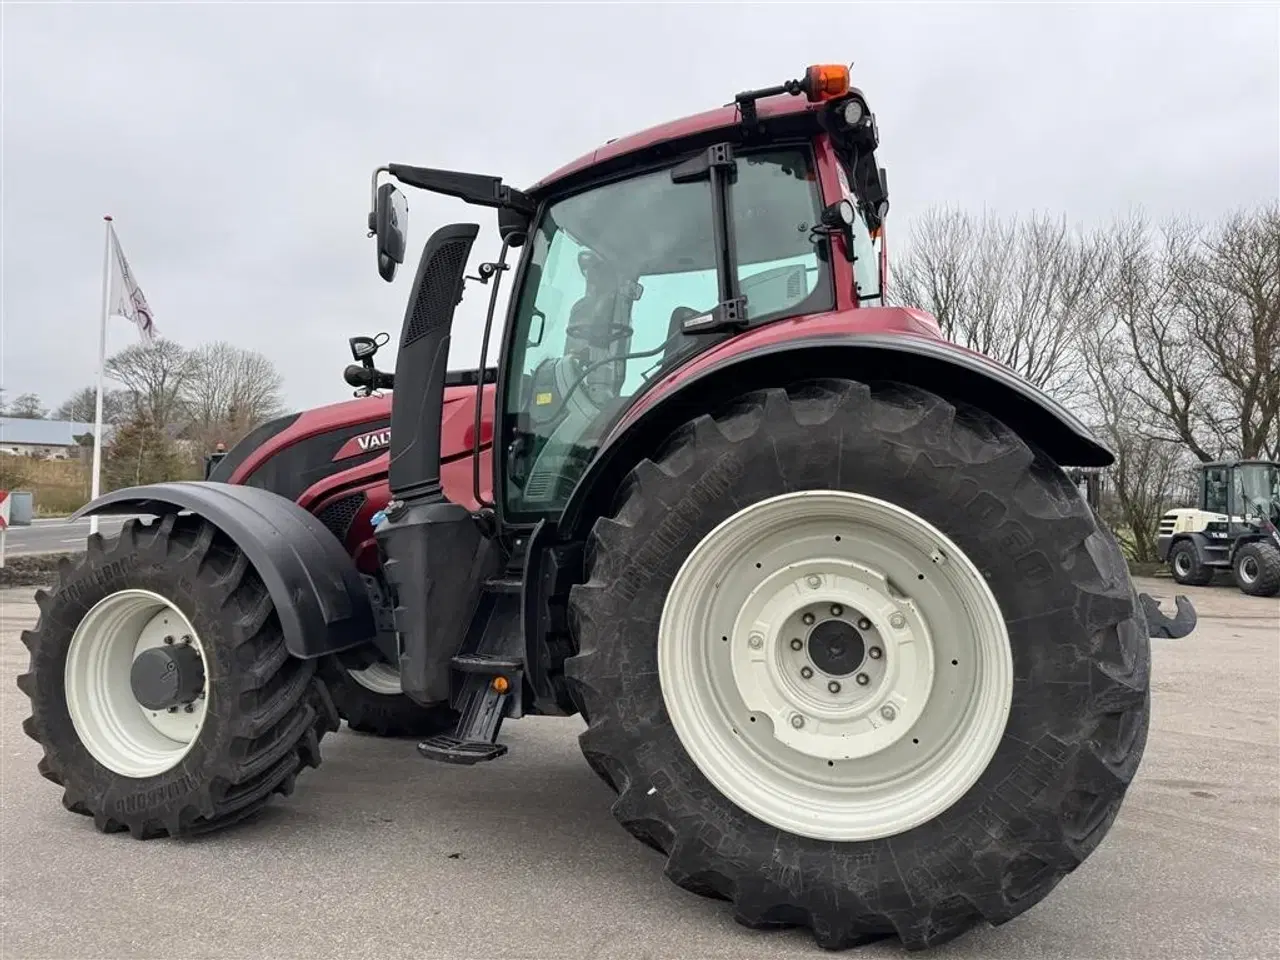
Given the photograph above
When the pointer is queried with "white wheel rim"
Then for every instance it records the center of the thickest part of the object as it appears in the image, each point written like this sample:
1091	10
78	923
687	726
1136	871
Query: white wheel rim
119	732
870	759
379	678
1182	563
1249	569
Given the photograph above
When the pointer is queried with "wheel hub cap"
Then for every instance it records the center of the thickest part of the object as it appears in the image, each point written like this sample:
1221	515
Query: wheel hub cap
839	716
836	648
168	676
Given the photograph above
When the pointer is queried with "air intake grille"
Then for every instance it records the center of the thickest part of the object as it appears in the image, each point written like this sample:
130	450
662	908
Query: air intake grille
438	293
338	515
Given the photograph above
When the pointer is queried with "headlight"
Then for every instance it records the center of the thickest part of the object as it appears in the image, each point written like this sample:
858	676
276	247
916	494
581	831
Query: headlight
853	112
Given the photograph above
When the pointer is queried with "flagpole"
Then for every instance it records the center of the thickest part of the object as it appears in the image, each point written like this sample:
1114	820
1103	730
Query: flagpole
96	481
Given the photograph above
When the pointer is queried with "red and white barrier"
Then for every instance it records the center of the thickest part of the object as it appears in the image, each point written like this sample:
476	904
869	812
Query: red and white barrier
4	521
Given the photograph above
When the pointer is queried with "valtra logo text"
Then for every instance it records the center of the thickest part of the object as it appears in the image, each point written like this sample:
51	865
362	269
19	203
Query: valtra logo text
369	442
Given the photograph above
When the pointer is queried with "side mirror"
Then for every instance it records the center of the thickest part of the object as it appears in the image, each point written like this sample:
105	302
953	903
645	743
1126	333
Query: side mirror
389	222
362	347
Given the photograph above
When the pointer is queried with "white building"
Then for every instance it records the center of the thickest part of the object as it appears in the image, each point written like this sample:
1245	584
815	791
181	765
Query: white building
55	439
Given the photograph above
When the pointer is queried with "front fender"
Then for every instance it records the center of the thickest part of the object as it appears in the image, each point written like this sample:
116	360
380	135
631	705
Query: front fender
321	601
939	366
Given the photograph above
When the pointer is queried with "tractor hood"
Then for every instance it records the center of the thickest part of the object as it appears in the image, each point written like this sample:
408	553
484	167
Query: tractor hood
290	454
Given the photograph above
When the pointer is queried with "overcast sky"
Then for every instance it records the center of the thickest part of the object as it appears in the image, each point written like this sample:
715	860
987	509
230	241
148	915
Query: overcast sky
233	143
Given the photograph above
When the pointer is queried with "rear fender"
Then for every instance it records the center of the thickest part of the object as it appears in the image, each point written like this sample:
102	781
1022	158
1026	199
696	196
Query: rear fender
939	366
321	601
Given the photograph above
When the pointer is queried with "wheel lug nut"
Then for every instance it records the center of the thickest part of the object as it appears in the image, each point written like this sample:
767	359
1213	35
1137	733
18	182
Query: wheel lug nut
797	721
755	641
808	619
864	624
897	621
814	581
189	708
797	644
862	679
836	610
888	712
833	686
173	710
875	653
806	672
168	639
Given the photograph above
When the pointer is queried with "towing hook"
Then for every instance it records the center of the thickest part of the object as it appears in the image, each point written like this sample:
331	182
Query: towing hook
1161	626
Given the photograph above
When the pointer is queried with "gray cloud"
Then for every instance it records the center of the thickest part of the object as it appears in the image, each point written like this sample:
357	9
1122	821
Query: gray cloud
233	143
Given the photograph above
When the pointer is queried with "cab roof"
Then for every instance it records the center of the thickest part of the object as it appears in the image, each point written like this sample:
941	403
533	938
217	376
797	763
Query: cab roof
723	117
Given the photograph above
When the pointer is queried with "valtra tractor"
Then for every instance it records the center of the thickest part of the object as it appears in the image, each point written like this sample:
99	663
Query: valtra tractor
849	645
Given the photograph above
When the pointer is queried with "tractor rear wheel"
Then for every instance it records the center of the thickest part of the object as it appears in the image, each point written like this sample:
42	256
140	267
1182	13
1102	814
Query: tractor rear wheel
1256	569
1186	567
161	688
861	662
371	701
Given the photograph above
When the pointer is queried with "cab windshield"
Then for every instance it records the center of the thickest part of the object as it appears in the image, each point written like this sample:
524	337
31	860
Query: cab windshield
612	273
1258	487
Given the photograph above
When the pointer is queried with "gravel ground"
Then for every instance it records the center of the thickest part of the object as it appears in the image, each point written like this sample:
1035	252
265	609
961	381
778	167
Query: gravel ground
382	854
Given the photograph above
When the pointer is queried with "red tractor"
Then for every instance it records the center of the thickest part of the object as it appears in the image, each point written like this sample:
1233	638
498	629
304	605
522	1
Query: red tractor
849	644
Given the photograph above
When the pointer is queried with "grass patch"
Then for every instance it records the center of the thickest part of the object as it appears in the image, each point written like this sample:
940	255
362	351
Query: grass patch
57	487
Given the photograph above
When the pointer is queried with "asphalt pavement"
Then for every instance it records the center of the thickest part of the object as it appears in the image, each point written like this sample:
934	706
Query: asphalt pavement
55	536
382	854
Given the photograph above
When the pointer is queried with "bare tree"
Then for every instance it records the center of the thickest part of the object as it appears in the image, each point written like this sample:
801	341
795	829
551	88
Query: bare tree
81	406
1020	291
154	376
1146	477
1229	285
27	407
230	391
1201	313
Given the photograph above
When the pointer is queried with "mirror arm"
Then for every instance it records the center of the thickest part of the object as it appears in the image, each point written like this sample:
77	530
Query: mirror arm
475	188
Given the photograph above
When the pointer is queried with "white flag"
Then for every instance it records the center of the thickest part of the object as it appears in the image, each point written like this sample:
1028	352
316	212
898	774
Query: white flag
128	301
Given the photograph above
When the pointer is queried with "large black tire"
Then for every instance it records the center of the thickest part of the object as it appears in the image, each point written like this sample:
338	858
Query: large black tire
1078	723
1185	565
382	714
1265	558
266	713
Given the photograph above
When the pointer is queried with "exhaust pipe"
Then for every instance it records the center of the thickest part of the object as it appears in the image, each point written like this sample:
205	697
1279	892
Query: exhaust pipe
423	359
435	556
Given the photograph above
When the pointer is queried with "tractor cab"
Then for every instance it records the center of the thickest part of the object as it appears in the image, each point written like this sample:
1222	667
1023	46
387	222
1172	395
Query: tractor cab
1245	491
624	283
654	249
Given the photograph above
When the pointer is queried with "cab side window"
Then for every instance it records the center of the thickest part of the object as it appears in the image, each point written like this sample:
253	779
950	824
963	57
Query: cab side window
1215	490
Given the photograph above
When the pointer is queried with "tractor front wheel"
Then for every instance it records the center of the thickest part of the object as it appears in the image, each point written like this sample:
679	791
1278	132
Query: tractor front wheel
861	662
161	689
1256	569
1186	567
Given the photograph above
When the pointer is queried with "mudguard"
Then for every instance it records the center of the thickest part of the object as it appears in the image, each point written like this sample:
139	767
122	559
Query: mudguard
318	594
940	366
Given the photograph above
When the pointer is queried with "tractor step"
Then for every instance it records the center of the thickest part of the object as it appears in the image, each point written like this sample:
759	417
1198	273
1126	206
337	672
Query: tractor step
487	680
488	683
485	663
446	748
